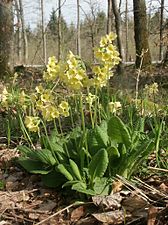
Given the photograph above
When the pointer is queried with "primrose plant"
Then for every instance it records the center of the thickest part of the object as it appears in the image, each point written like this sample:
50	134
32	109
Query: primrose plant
97	145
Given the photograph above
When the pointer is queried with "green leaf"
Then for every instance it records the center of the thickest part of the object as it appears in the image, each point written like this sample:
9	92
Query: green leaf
45	156
98	138
53	179
33	166
81	187
113	152
62	169
24	149
75	169
118	131
98	164
102	186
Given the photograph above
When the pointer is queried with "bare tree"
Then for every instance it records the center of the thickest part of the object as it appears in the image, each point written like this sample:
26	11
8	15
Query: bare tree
119	33
18	33
25	42
59	30
126	30
91	19
109	17
6	35
78	30
43	32
143	56
161	30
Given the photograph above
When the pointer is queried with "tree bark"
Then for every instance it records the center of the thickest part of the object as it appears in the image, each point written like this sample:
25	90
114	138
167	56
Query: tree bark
59	30
143	57
126	30
119	33
78	30
25	42
43	33
6	36
18	33
109	17
161	30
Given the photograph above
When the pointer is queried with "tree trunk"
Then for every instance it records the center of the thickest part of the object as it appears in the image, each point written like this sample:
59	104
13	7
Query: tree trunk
78	30
165	60
143	57
109	17
161	30
59	30
18	33
119	33
6	36
126	30
25	43
43	33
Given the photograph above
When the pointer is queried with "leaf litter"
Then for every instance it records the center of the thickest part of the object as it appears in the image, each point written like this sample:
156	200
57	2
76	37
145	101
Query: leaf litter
24	200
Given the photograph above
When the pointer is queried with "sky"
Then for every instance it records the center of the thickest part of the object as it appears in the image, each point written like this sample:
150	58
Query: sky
32	9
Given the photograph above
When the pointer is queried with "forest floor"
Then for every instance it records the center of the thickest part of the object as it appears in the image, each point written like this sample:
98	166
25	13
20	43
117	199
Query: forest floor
24	200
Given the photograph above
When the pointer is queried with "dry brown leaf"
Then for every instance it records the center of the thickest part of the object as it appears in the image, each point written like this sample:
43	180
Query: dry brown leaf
134	202
47	206
77	213
109	202
152	213
164	187
112	217
117	186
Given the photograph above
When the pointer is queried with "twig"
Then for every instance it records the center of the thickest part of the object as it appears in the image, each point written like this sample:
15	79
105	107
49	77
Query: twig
149	187
60	211
159	169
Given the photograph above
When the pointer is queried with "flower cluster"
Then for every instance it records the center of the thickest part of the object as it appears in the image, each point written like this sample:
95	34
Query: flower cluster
151	90
74	77
32	123
114	106
13	99
53	69
90	99
108	57
44	102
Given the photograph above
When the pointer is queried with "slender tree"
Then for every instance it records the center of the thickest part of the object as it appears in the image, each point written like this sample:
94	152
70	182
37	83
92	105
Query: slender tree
161	30
119	33
59	30
18	33
24	35
126	30
78	30
109	17
43	33
6	35
143	56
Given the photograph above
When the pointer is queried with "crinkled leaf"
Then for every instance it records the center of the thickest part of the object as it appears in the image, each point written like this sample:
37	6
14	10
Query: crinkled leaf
98	138
118	132
81	187
98	164
33	166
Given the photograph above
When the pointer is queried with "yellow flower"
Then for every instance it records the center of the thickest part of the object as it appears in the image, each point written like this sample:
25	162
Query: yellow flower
47	96
39	89
32	123
39	105
90	99
64	108
103	42
114	106
49	112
